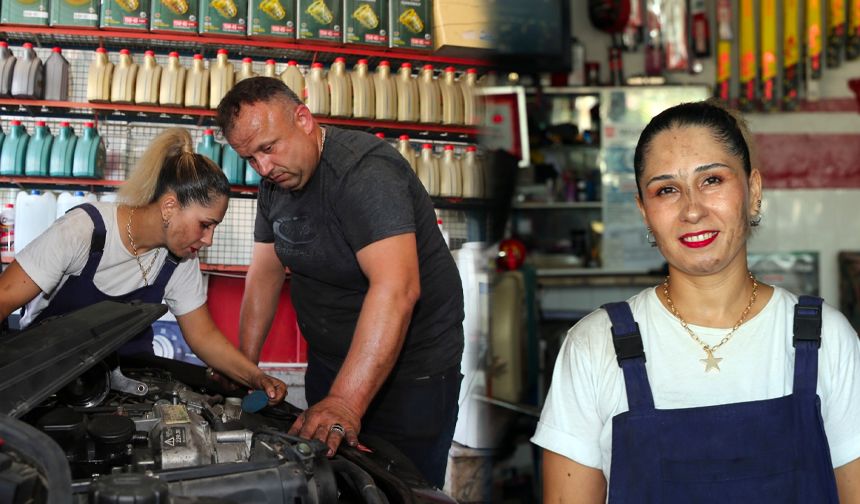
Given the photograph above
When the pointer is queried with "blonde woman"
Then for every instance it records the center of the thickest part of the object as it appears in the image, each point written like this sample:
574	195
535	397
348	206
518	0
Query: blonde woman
144	248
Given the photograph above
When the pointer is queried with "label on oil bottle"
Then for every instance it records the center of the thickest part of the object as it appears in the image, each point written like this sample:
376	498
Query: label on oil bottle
410	24
224	17
175	15
272	18
321	20
75	13
27	12
125	14
366	22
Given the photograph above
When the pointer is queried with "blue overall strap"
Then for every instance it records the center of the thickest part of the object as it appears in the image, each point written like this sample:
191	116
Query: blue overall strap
166	272
97	242
631	355
807	340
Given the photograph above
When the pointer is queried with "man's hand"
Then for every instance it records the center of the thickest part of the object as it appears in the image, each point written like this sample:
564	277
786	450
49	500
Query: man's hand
275	388
321	421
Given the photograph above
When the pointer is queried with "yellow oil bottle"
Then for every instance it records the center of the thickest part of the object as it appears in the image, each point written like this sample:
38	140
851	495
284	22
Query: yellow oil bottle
293	78
221	78
406	150
317	95
99	77
429	97
363	95
124	79
340	86
197	84
148	80
407	94
385	92
246	70
471	102
428	170
452	98
171	91
269	69
450	178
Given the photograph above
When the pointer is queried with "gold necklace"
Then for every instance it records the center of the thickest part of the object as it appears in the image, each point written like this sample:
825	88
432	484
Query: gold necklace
322	139
710	361
143	272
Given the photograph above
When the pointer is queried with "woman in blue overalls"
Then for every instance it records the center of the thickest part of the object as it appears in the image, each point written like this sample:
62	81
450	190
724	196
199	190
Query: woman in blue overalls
713	386
143	249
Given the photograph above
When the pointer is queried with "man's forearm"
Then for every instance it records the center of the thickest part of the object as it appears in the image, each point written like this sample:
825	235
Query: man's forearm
376	344
259	304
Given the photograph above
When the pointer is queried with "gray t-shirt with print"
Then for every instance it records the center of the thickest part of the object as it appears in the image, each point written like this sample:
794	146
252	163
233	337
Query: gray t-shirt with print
362	191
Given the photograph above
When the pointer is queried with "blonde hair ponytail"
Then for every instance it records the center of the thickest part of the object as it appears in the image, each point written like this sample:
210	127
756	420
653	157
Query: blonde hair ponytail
140	187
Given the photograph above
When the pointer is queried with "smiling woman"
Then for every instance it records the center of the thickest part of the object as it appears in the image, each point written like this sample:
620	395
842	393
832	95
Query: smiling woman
144	249
731	385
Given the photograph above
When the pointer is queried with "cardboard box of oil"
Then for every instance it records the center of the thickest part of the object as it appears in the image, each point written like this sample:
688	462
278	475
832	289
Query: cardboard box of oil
272	18
75	13
125	14
320	20
366	22
174	15
27	12
410	24
224	17
460	26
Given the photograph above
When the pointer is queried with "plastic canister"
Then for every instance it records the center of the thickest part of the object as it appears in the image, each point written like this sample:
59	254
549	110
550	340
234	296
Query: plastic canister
385	92
317	95
99	77
68	200
471	110
7	68
450	179
340	86
57	70
252	178
146	87
7	232
293	78
14	150
406	150
473	174
407	94
232	165
269	69
124	78
363	95
246	70
171	91
429	97
428	170
34	213
63	152
207	146
28	78
452	98
220	78
38	151
197	84
89	158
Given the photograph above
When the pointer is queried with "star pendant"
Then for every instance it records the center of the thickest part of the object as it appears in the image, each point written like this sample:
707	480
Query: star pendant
711	362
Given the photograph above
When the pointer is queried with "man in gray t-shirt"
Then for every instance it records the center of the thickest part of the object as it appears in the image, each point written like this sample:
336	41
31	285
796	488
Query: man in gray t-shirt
375	289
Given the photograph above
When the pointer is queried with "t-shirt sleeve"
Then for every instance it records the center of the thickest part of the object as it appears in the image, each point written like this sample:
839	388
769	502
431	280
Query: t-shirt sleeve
60	251
840	387
185	292
263	232
374	201
570	423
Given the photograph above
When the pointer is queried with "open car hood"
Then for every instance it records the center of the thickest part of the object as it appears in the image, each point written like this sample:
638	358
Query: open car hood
40	360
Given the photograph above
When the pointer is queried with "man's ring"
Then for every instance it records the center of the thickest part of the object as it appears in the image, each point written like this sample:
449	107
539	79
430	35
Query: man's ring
337	428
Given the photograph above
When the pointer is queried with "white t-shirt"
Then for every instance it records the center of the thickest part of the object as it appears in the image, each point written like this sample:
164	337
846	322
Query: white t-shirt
588	389
63	250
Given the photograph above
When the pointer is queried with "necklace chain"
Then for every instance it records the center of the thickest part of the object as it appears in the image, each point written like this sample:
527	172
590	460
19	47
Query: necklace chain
708	348
143	271
322	139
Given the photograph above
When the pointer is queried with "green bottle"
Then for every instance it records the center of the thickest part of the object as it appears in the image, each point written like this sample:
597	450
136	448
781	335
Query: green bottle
90	156
14	150
63	152
38	151
232	165
2	137
207	146
252	178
